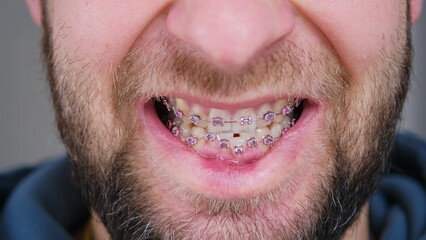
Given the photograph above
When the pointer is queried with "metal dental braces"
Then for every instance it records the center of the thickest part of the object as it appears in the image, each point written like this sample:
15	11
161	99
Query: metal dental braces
238	150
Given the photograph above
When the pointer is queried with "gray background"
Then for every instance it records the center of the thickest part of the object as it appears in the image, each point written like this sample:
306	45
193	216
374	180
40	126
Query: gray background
27	129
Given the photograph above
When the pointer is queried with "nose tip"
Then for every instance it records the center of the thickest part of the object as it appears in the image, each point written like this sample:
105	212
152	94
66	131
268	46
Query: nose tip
229	33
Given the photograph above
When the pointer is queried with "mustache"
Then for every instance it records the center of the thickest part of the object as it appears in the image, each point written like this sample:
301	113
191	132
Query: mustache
166	65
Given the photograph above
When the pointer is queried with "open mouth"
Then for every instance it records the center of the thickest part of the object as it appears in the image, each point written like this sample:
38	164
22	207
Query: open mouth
237	136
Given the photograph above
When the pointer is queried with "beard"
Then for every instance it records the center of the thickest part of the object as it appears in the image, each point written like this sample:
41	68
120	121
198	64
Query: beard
114	164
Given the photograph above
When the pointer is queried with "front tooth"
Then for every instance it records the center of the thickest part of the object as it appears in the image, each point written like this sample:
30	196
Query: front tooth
244	121
198	111
224	136
223	115
239	139
262	110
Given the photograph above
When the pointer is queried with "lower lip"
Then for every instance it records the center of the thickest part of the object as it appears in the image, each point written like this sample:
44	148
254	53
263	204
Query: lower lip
224	179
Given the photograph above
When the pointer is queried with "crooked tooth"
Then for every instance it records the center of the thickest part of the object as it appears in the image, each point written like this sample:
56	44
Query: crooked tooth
278	118
244	121
276	130
220	115
286	123
184	108
278	105
177	121
185	130
200	144
182	105
260	133
262	110
197	110
244	130
199	133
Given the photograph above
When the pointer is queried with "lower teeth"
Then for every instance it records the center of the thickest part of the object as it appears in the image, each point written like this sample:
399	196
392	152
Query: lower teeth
191	129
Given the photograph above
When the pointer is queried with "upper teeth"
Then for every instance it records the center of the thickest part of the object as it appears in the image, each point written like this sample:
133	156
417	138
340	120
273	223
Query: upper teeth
245	128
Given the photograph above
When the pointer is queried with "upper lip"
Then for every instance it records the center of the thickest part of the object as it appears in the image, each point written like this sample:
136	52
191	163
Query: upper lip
245	101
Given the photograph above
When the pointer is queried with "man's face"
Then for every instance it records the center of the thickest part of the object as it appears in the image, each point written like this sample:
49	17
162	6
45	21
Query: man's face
236	156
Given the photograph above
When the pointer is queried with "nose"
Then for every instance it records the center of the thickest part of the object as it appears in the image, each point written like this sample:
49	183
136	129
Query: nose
230	33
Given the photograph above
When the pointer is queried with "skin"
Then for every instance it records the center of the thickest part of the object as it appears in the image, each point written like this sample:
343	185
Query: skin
94	38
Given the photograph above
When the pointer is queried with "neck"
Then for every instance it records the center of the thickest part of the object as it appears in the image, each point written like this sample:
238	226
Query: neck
360	228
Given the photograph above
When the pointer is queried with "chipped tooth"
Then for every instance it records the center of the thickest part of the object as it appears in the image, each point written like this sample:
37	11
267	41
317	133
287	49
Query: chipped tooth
225	135
262	110
276	130
244	121
216	113
238	141
279	105
198	110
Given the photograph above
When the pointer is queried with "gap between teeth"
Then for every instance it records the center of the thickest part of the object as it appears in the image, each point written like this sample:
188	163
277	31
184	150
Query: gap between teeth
245	129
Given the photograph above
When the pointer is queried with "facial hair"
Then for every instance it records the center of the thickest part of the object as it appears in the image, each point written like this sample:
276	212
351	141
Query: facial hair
123	193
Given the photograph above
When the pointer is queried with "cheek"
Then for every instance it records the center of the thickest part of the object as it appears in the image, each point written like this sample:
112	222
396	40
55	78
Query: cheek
357	29
101	31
